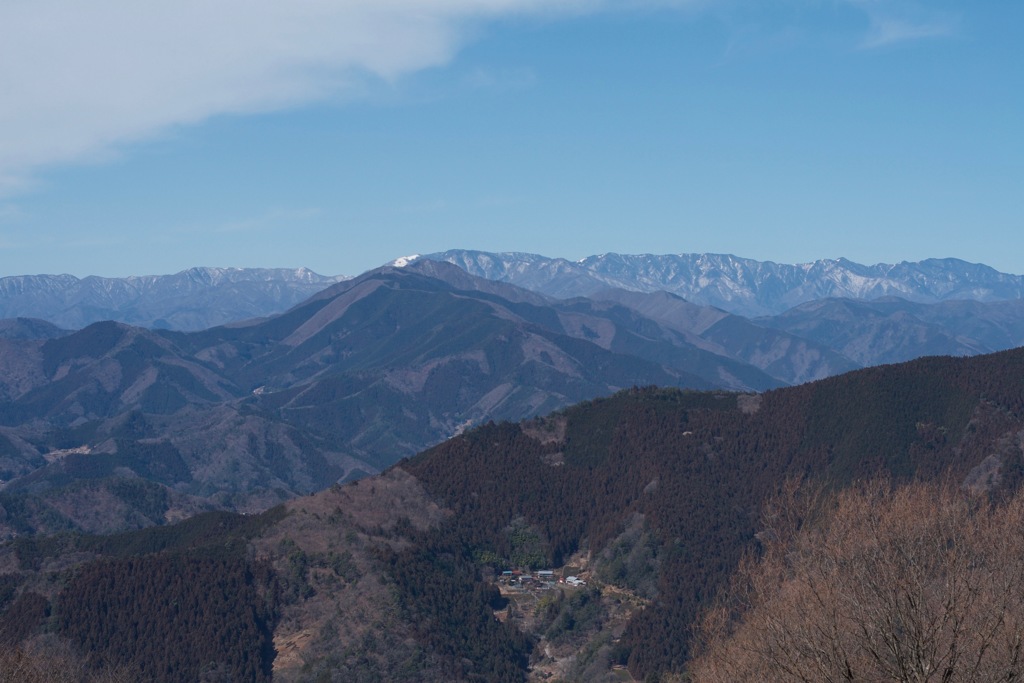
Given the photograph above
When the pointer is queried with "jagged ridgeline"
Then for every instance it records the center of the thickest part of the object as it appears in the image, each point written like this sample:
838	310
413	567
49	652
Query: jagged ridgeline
654	493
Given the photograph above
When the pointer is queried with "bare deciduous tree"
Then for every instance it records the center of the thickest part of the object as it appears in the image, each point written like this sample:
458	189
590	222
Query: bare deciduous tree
46	659
922	583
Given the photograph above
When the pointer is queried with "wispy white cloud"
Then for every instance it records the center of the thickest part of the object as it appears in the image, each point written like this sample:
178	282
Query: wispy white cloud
889	31
81	79
900	21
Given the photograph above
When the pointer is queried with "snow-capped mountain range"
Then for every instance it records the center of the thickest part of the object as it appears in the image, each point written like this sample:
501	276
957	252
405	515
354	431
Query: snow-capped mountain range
193	299
739	285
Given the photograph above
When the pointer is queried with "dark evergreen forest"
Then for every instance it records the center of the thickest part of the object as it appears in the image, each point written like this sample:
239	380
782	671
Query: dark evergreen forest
699	466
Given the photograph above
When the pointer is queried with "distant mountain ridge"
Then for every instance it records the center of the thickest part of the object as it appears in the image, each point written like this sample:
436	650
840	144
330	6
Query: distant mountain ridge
362	374
193	299
892	330
739	285
846	315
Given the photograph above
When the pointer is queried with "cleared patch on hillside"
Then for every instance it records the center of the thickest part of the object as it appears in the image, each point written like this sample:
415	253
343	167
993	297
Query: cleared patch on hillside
341	616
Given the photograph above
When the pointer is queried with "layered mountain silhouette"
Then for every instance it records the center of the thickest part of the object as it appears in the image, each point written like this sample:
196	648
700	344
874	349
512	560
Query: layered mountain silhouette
890	330
372	369
364	373
804	301
844	314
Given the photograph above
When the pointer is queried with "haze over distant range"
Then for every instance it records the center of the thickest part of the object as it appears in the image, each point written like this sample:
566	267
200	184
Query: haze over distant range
364	371
336	134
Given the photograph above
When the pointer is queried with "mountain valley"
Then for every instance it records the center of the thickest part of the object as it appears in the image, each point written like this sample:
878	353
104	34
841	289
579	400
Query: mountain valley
116	426
653	495
369	371
391	476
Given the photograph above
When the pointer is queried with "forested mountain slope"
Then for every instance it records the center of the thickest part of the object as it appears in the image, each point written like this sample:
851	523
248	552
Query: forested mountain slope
698	467
652	494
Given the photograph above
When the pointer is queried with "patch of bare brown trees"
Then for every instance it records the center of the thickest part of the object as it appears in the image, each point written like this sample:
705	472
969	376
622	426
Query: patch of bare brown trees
46	659
921	583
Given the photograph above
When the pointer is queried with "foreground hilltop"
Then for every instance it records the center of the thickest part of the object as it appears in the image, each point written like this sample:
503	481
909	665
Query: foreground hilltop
652	496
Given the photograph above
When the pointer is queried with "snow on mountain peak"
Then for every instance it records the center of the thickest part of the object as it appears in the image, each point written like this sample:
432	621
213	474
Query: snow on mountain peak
403	261
744	286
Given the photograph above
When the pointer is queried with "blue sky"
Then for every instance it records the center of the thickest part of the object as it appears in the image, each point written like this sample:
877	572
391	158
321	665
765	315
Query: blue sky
340	134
